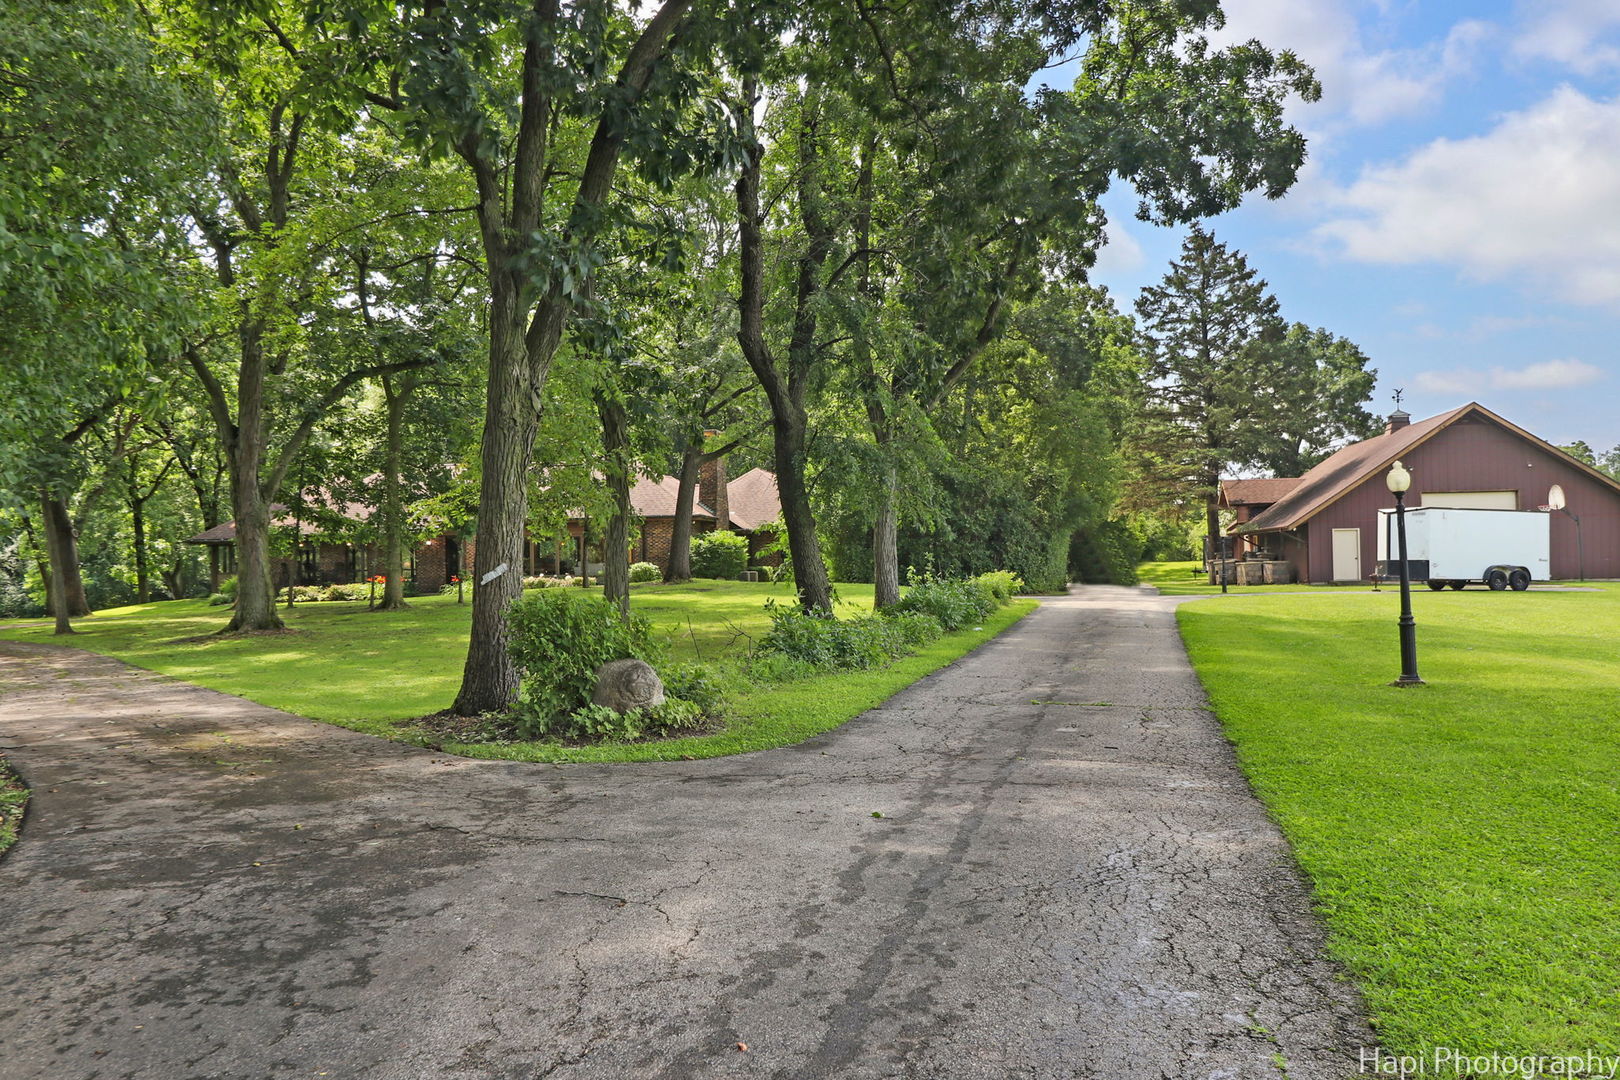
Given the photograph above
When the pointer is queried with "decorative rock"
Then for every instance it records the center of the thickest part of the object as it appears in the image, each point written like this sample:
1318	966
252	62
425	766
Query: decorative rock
623	685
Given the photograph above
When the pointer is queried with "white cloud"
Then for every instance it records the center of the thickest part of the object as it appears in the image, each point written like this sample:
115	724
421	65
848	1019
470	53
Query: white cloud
1546	375
1361	85
1543	375
1121	254
1455	381
1533	199
1569	32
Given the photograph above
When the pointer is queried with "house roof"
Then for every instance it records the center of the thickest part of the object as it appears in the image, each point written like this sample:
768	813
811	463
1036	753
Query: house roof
282	518
753	500
655	497
752	496
1339	474
1260	491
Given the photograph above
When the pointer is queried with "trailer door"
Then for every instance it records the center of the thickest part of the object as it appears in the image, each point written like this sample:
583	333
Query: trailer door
1346	554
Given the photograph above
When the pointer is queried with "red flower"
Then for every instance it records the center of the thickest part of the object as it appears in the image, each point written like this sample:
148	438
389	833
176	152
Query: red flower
454	580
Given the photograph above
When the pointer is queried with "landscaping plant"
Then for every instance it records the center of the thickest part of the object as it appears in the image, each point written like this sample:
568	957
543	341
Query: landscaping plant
559	639
719	555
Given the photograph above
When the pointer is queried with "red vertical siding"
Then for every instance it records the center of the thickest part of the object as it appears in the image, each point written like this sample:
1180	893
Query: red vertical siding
1476	454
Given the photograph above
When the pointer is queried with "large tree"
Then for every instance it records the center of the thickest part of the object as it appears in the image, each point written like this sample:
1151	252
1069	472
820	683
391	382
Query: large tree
926	193
1214	333
539	101
1322	387
97	143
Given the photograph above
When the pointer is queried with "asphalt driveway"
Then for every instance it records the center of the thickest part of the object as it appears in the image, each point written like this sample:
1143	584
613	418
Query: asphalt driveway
1070	878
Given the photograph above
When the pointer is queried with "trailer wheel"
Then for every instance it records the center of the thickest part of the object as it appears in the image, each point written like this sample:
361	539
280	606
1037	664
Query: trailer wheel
1519	580
1496	580
1457	584
1436	585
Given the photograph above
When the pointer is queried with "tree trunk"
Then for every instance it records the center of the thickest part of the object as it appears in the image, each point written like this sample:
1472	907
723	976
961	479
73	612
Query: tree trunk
173	580
137	520
255	587
886	544
1212	524
489	681
59	532
393	503
58	587
680	535
809	572
786	395
616	543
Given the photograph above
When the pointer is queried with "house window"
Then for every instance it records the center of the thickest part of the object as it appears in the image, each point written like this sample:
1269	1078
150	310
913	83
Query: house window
227	558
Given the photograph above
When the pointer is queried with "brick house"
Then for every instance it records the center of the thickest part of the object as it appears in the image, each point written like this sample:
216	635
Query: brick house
323	560
748	505
1324	524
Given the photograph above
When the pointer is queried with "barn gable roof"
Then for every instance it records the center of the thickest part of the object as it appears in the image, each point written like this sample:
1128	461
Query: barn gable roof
1257	491
1339	474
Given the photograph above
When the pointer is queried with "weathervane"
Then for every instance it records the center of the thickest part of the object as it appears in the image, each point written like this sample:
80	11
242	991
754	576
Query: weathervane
1398	395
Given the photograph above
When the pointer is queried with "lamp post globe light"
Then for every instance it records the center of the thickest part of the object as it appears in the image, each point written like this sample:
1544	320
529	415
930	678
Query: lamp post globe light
1398	481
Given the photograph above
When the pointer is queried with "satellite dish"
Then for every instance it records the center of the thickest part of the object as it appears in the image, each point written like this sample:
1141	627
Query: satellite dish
1555	497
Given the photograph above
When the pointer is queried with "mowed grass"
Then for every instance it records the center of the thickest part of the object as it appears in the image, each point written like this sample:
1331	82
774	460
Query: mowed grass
1180	579
371	671
1462	838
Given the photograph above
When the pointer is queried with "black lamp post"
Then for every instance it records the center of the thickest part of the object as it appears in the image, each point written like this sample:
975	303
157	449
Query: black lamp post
1399	480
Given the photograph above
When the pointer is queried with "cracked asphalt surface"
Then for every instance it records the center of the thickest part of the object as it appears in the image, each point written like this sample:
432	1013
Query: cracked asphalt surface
1070	878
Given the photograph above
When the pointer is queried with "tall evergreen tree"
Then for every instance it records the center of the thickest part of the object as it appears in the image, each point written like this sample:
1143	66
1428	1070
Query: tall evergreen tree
1212	327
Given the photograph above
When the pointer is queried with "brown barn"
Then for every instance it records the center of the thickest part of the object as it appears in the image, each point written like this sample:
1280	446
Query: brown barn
1325	523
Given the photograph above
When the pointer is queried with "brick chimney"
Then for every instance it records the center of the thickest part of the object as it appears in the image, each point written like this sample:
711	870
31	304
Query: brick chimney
1398	419
712	486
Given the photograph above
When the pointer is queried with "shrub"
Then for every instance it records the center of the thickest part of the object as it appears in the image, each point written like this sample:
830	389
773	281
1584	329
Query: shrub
1003	584
955	602
695	683
602	724
549	582
822	641
719	555
558	640
774	667
219	599
227	589
346	591
1105	554
645	571
915	628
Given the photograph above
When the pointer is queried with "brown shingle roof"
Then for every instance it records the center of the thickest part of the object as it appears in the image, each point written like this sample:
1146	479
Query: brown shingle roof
1335	476
754	501
1260	491
652	497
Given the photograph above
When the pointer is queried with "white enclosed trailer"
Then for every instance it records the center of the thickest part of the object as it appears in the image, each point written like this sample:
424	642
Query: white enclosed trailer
1453	546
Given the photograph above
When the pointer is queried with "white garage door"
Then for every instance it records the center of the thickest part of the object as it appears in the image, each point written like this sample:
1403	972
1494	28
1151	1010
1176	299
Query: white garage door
1473	500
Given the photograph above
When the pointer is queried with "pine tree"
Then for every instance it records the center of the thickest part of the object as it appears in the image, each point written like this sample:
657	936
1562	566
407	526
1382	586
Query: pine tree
1210	325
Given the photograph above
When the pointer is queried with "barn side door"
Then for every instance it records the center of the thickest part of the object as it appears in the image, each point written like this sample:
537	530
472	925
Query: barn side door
1346	554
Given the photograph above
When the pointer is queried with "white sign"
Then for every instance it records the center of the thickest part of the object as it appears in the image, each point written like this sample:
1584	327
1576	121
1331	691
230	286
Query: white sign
492	575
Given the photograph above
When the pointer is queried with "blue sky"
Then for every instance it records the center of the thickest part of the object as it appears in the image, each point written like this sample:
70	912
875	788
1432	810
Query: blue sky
1459	217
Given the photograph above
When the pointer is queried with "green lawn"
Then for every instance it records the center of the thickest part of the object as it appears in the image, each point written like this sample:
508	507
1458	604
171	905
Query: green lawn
1178	579
1463	838
369	670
